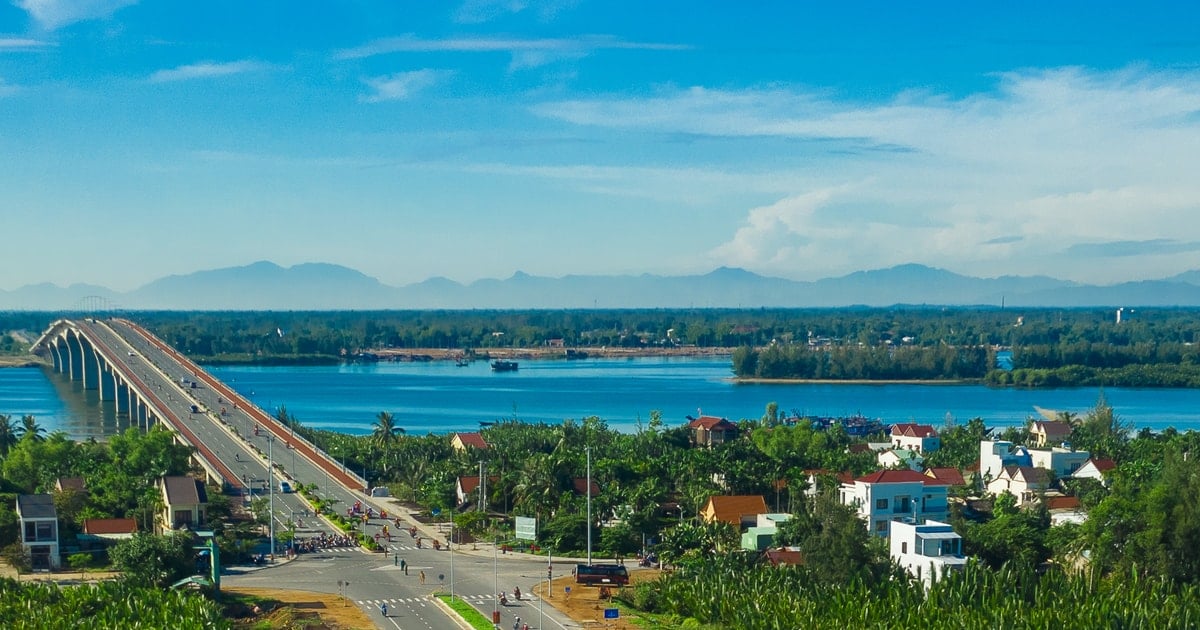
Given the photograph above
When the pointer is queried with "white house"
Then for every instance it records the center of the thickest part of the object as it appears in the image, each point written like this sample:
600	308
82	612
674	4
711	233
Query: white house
1063	462
921	438
1096	469
995	455
901	457
928	551
1024	482
39	530
887	496
1050	432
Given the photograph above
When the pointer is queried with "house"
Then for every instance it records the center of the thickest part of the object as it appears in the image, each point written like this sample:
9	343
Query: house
760	536
995	455
887	496
710	431
39	530
70	484
108	529
901	458
580	486
1064	509
1097	469
921	438
927	551
1024	482
467	488
738	510
1063	462
460	441
1050	432
185	502
785	557
949	476
814	477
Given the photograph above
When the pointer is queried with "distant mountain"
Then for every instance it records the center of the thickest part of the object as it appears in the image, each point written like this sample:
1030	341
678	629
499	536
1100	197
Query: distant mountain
318	286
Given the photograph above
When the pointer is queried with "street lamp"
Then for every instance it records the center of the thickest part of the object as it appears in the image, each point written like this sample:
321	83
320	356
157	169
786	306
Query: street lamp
271	492
589	505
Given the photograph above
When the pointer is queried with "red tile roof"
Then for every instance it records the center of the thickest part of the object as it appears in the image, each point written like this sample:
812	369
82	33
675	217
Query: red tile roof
472	439
712	422
784	557
1103	464
951	476
97	526
912	429
899	476
469	484
579	484
1062	503
1052	428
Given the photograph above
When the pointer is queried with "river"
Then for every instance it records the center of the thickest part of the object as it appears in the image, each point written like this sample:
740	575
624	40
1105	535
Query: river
440	397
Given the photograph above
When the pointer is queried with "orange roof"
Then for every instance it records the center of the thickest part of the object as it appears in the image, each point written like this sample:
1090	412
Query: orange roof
1103	464
951	476
712	422
731	508
472	439
899	476
98	526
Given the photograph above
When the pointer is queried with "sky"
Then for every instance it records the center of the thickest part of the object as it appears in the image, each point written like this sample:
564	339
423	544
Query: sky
478	138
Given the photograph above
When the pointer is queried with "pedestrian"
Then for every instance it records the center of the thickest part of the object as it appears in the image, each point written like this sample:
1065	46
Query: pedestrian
422	576
404	566
395	561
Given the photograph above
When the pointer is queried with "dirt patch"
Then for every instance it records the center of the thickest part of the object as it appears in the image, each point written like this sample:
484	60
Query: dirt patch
585	605
300	609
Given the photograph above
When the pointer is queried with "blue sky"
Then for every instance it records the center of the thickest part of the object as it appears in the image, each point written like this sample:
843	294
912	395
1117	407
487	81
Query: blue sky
474	139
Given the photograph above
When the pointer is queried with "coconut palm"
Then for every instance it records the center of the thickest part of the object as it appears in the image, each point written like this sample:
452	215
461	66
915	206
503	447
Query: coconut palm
31	429
385	434
8	434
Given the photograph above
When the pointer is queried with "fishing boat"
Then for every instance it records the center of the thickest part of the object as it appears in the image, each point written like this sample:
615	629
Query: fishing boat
500	365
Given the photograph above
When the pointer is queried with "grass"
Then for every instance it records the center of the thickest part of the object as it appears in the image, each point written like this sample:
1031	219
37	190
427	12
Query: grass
473	617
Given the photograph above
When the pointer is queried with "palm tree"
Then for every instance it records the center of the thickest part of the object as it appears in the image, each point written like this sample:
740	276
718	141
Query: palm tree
8	434
385	434
31	429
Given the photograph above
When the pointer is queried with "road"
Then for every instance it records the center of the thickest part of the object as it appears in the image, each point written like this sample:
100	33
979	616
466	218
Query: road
228	434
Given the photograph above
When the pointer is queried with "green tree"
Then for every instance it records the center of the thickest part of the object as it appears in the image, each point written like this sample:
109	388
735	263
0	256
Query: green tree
837	546
30	429
153	560
8	434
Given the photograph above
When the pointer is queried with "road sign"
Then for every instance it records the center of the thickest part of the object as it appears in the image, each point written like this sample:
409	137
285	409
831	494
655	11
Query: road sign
612	613
526	528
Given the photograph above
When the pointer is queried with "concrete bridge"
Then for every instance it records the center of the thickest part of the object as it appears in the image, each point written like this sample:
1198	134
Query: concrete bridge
143	376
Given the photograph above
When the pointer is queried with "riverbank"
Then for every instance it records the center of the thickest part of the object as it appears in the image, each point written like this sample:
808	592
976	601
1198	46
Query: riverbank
22	361
546	353
749	380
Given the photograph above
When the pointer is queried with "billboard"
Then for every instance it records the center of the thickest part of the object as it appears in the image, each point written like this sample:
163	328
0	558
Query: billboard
526	528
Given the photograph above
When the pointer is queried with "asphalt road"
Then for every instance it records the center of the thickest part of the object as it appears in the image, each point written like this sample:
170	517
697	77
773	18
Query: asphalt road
367	579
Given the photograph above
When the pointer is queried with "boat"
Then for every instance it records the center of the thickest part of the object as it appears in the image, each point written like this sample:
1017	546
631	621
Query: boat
504	366
462	362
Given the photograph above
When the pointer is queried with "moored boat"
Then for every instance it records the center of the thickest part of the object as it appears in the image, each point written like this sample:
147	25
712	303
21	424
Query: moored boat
500	365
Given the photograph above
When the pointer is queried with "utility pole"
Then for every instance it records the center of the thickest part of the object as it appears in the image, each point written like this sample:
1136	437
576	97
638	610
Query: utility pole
271	492
589	505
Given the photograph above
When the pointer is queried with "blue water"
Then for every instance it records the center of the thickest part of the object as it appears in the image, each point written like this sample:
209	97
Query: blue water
440	397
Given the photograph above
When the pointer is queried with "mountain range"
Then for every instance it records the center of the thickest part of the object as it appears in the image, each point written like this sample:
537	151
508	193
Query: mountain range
320	286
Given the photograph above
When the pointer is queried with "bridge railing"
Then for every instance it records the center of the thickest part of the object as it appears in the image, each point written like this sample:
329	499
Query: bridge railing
302	445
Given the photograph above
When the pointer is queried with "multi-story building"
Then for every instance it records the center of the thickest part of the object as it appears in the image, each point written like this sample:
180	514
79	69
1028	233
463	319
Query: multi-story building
884	497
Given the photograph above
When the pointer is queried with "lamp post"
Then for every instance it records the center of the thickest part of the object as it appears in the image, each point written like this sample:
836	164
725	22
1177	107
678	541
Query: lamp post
589	505
496	580
271	492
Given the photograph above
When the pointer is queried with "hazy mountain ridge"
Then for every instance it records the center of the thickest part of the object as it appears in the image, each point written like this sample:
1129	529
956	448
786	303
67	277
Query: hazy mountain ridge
321	286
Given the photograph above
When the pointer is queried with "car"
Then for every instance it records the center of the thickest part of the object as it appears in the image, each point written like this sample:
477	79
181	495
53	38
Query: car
285	487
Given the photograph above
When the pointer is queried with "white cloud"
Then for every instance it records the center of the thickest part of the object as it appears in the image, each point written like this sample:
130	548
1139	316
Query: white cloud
207	70
525	52
53	14
21	44
401	85
479	11
1004	181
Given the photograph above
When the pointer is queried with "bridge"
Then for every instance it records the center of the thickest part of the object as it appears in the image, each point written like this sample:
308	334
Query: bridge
155	384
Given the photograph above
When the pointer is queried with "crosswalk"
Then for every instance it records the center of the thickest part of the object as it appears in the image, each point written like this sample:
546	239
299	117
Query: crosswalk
425	600
361	550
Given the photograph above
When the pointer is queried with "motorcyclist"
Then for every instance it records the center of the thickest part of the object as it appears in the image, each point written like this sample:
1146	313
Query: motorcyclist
517	593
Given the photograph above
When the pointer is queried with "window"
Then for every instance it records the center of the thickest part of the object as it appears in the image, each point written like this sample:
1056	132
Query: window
881	526
30	531
881	504
903	547
45	531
